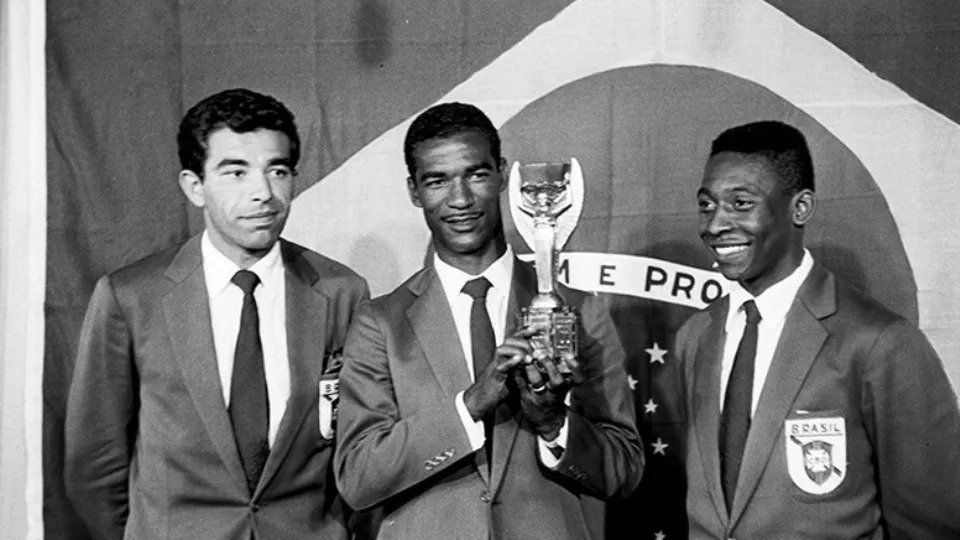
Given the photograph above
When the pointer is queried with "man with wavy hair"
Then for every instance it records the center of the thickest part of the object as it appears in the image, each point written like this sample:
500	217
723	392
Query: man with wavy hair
193	410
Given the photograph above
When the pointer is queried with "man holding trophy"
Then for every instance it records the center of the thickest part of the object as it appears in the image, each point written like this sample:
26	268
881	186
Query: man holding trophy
451	435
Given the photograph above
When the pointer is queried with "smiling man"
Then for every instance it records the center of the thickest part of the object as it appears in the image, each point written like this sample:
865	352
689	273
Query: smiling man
450	435
815	412
194	407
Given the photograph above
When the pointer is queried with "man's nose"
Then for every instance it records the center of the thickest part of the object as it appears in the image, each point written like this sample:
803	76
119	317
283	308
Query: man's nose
461	194
716	222
260	188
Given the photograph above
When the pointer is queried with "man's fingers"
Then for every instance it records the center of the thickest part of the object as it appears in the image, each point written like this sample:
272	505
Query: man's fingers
507	358
534	379
554	377
514	342
521	380
575	375
526	333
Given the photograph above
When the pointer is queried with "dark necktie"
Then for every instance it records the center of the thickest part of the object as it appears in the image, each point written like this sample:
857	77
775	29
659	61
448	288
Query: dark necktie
735	423
483	342
249	407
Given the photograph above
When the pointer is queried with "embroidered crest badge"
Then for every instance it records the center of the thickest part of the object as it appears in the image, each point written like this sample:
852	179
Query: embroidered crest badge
816	453
329	392
329	399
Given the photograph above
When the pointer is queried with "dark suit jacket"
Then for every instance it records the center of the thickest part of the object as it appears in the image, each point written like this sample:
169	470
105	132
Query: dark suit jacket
840	355
150	451
401	444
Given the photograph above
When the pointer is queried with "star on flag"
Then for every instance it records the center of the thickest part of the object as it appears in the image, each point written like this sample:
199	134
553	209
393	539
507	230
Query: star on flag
650	406
659	447
659	535
656	354
631	381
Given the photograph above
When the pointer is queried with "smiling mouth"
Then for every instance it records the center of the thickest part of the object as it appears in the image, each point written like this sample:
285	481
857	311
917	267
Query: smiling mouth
725	251
462	222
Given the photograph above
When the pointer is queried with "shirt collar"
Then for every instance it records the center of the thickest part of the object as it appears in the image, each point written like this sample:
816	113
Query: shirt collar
499	274
218	270
774	302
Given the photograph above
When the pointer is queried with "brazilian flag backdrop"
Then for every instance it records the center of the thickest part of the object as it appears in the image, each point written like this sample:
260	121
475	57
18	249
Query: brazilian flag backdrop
634	89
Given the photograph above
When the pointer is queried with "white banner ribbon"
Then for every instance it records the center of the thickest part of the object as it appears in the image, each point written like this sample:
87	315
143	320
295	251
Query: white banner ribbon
642	277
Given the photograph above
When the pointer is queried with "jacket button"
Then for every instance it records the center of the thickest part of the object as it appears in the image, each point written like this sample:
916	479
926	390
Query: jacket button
254	508
485	497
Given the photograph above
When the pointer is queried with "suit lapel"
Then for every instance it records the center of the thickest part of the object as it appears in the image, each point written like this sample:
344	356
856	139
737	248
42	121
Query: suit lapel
507	426
432	323
706	402
801	340
187	313
431	319
306	322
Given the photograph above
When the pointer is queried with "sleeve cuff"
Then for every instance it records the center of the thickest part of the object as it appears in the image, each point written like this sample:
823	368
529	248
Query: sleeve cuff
473	427
552	451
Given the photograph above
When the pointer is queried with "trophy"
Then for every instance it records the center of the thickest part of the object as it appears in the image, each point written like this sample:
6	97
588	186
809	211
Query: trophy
546	207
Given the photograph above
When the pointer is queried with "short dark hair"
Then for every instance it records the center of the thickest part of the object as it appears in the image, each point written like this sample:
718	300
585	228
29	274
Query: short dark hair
783	145
448	119
238	109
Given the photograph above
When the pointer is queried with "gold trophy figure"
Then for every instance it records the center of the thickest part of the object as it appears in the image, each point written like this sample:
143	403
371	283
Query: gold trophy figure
545	197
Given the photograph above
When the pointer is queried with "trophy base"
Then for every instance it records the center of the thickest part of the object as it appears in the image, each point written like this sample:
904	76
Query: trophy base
556	340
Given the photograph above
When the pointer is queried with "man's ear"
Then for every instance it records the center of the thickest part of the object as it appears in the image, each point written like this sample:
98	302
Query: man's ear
804	204
191	184
412	191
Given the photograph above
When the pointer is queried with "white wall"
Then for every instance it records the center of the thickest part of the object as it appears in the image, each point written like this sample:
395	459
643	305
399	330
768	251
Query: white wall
23	214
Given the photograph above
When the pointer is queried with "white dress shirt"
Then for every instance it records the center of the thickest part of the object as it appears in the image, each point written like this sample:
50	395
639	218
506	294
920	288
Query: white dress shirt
226	303
773	305
500	276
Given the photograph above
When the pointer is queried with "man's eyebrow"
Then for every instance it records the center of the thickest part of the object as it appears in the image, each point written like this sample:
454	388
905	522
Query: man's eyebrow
285	161
736	190
743	189
479	166
229	162
432	174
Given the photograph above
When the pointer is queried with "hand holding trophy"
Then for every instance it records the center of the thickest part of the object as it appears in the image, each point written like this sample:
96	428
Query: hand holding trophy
546	199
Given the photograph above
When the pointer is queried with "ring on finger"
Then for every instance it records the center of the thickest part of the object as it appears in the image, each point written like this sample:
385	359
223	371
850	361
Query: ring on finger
538	389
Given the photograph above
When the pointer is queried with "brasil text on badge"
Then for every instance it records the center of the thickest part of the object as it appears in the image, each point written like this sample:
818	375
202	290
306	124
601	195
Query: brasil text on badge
816	453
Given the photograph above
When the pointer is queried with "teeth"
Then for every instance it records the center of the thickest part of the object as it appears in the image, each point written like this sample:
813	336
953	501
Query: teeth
730	250
461	219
